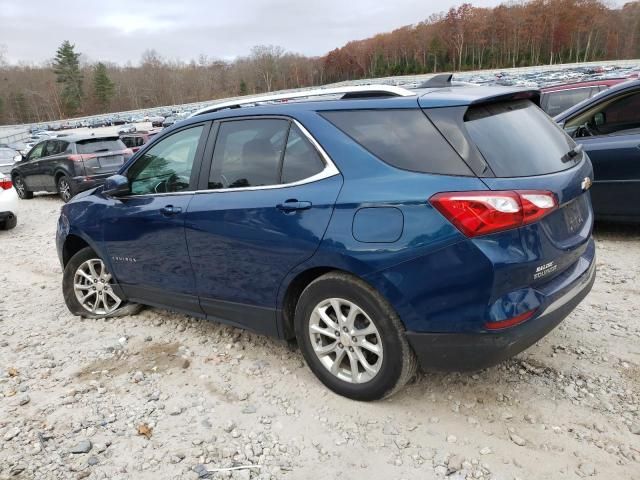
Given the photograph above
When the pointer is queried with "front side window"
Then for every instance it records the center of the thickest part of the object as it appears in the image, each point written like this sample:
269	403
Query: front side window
37	151
166	167
248	153
615	115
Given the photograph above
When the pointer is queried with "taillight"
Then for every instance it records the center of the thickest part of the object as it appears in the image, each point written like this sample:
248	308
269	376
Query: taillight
5	183
510	322
483	212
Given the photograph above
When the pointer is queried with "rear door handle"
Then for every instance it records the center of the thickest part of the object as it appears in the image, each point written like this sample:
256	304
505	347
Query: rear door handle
170	210
293	205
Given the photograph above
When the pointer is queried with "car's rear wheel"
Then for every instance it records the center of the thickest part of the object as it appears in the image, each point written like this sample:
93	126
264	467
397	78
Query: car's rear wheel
352	339
21	188
88	288
65	190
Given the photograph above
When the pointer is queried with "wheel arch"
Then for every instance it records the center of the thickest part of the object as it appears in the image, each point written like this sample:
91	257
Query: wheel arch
72	245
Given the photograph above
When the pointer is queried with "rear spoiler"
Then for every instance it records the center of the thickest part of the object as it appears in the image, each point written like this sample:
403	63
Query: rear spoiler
529	94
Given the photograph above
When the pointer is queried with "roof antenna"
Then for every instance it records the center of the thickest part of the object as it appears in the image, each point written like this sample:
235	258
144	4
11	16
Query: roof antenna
438	81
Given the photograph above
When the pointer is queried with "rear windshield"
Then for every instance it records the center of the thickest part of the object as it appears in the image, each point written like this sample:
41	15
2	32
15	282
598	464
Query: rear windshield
405	139
98	145
517	139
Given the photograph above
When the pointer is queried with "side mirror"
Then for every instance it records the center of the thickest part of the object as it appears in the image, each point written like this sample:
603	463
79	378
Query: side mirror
599	119
116	186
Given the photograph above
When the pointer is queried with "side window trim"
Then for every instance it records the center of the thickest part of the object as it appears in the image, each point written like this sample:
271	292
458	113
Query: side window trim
197	161
330	169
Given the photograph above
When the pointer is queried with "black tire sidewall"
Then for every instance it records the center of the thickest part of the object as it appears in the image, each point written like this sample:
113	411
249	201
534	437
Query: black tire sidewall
378	310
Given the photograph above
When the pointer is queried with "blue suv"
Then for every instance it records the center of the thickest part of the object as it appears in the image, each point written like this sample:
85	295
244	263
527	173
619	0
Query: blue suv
377	226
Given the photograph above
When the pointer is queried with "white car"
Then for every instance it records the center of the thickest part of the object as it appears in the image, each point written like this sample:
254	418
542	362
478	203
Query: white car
8	203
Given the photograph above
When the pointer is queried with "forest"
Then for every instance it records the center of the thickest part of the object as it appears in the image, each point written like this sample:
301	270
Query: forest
514	34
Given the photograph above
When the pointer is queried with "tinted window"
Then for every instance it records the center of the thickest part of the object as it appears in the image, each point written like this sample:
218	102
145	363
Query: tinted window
166	167
301	159
36	152
558	102
247	153
54	147
517	139
623	112
403	138
128	141
98	145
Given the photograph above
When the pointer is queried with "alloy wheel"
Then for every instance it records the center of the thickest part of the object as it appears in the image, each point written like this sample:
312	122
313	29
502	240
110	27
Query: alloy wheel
93	286
20	187
65	189
346	340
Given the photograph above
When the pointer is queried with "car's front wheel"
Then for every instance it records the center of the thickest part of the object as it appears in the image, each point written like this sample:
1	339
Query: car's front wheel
352	339
88	288
21	188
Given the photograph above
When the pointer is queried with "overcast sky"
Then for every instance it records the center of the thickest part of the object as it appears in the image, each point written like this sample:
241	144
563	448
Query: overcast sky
120	30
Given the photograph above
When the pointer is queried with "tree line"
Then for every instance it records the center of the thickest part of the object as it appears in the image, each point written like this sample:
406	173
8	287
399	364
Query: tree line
515	34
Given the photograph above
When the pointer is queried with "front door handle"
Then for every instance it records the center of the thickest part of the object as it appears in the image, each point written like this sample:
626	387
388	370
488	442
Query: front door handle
293	205
170	210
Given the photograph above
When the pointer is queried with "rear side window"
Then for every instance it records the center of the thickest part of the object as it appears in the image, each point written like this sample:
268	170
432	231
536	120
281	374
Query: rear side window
405	139
247	153
517	139
98	145
301	159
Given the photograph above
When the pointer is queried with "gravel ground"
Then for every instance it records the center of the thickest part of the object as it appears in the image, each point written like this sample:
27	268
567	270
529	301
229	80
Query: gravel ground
163	395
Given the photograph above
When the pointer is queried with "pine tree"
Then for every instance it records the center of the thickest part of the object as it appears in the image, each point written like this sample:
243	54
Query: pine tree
67	69
103	87
243	88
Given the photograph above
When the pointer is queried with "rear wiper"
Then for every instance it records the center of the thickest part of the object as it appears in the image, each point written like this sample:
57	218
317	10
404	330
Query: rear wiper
573	153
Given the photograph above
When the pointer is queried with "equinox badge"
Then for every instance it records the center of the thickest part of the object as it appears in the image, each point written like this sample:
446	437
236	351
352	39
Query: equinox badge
586	184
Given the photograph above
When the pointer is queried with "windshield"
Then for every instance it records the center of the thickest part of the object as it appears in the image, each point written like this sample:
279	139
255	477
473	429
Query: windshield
95	145
517	139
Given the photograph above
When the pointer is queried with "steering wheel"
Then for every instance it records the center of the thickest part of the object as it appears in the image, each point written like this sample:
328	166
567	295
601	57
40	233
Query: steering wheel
225	182
174	179
586	130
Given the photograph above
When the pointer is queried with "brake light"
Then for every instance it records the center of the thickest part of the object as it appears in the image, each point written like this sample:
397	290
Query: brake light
5	183
484	212
510	322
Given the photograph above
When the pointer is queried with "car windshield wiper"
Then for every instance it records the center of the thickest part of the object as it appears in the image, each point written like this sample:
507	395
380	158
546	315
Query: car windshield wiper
573	153
100	150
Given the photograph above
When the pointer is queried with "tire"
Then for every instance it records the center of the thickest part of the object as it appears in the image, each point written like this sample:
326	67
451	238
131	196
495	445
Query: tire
21	188
9	222
389	370
109	304
64	187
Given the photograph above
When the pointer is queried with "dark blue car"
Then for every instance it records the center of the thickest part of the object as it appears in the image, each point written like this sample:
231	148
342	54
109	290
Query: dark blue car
608	128
377	226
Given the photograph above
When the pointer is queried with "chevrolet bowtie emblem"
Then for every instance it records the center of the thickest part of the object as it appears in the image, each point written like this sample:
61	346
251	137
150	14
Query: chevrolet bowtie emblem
586	183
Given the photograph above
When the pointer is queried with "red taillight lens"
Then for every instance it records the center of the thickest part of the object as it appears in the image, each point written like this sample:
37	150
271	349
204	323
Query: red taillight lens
510	322
480	213
5	183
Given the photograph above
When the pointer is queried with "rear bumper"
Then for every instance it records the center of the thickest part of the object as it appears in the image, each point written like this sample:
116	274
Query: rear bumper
82	183
474	351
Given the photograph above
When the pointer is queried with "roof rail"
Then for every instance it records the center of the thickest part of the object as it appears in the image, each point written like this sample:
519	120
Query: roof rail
356	91
438	81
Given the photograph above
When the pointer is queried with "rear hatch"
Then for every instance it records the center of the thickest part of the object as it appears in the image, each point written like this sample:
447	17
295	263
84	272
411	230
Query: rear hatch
103	155
512	145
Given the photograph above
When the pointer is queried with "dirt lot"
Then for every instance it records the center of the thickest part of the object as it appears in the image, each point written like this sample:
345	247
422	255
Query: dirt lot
162	395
